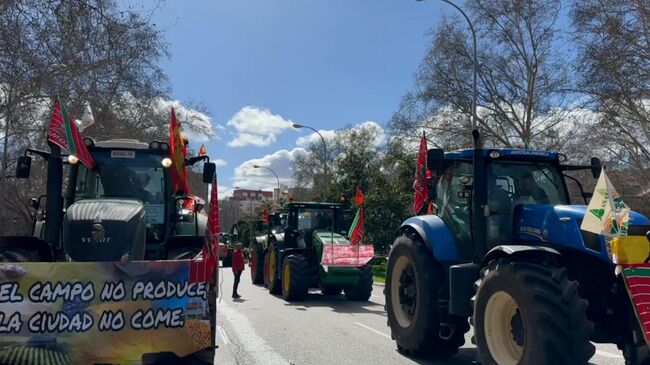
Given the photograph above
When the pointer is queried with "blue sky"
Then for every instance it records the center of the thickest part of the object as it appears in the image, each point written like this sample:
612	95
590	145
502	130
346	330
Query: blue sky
325	64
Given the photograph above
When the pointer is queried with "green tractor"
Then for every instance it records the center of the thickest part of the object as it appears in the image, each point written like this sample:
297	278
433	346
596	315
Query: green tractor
123	210
306	246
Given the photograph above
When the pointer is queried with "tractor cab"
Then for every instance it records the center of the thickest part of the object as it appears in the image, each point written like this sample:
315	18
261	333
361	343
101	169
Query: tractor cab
307	219
513	180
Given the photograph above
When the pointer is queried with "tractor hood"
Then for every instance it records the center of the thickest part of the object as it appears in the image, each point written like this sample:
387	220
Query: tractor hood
560	225
104	230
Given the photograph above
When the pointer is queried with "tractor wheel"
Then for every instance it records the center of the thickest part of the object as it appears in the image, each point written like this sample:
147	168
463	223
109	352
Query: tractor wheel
412	280
362	291
295	278
527	313
256	264
330	290
271	280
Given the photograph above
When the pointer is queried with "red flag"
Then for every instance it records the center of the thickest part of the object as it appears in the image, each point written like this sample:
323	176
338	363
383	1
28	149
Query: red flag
420	183
65	134
265	216
357	229
358	199
212	228
177	154
202	151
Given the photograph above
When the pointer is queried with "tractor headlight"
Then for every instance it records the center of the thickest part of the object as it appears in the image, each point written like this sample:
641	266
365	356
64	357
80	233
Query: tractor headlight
154	145
561	157
166	162
164	146
494	154
73	160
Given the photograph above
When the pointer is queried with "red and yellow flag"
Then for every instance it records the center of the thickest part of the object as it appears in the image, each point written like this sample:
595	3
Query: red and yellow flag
202	151
178	153
65	134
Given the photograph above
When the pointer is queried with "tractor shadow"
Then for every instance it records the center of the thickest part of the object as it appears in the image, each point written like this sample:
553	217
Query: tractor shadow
465	356
338	304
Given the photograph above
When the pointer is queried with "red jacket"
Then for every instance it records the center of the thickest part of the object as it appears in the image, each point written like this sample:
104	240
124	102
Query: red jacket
237	260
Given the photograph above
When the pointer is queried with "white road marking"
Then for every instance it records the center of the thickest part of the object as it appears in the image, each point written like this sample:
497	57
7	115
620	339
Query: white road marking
258	349
608	354
224	335
373	330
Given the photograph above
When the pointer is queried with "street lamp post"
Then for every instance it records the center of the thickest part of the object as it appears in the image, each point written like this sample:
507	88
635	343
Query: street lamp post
276	177
298	126
474	64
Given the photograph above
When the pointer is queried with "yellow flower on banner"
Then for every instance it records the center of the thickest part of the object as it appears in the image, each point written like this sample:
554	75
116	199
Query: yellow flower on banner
630	250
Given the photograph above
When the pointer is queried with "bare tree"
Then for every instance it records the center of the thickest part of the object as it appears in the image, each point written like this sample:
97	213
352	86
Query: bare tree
614	63
83	50
522	77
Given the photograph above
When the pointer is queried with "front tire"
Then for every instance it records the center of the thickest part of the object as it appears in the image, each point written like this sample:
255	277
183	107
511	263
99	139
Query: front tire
295	278
362	291
412	281
526	313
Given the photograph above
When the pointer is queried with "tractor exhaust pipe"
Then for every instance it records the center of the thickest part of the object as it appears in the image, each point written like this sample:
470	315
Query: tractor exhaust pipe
479	200
54	203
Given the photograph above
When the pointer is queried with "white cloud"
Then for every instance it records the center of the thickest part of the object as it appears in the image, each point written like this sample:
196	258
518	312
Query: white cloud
330	134
247	176
257	127
219	162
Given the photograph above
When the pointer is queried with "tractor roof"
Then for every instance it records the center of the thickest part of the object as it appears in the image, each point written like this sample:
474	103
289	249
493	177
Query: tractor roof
122	143
317	205
506	153
155	147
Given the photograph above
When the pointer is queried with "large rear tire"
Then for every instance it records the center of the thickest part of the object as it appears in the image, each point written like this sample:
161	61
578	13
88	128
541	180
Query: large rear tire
257	267
526	313
295	278
412	281
362	291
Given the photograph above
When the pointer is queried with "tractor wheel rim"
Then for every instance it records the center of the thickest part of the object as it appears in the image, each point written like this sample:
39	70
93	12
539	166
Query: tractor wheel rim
504	328
403	292
286	278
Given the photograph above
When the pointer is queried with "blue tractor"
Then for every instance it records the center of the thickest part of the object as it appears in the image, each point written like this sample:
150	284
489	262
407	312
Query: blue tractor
505	253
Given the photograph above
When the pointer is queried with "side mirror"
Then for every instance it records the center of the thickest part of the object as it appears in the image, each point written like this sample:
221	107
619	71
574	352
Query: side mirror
436	159
596	167
23	167
209	169
199	207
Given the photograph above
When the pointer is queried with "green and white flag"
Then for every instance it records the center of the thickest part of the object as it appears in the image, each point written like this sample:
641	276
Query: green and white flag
606	214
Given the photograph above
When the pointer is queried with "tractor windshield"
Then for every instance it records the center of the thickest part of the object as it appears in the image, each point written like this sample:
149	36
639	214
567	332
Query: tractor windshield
511	184
140	176
129	175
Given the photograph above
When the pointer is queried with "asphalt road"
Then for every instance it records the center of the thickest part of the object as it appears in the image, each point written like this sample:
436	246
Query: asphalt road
264	329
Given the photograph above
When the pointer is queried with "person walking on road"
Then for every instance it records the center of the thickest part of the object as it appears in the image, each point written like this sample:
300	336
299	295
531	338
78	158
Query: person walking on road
237	268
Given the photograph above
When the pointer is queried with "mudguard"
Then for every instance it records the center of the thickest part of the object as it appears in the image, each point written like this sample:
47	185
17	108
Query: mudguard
435	234
509	250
